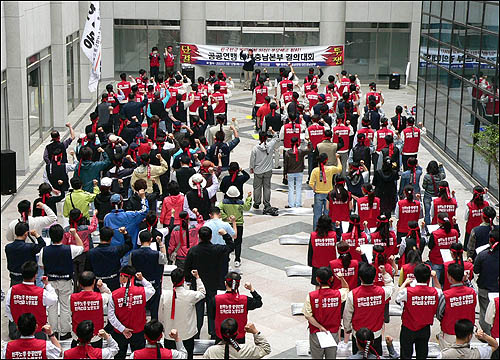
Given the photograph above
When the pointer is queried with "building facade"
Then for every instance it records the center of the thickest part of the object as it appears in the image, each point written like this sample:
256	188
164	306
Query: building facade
458	79
44	74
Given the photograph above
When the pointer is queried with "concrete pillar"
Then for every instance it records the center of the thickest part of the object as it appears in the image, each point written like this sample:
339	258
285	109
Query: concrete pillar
107	48
59	66
17	83
86	96
332	29
193	27
415	41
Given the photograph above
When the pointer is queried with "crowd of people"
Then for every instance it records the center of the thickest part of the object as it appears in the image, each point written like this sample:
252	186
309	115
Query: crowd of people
150	183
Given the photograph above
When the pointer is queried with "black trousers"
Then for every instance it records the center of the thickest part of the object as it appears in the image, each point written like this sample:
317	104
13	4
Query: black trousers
404	159
237	243
154	71
136	341
377	345
200	312
188	344
420	338
153	303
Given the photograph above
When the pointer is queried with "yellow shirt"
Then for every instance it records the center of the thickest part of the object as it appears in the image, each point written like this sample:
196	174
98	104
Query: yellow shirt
321	187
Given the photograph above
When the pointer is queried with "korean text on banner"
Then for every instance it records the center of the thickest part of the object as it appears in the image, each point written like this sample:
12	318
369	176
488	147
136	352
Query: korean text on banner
91	44
305	56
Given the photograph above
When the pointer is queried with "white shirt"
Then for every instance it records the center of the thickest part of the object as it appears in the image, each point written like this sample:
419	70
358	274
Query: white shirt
52	351
49	298
149	292
35	223
489	316
185	311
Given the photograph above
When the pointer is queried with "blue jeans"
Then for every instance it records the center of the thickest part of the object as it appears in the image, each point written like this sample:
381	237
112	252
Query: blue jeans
427	208
295	184
320	207
438	268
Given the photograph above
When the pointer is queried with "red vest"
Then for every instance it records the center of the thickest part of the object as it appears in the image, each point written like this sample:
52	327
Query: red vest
179	85
260	94
154	60
169	60
139	83
411	136
284	85
111	101
173	95
221	106
83	352
323	249
381	134
440	205
374	93
28	299
460	304
369	214
230	305
287	97
409	271
420	307
354	243
87	305
391	248
223	86
316	134
26	349
341	131
344	85
124	86
494	329
327	310
338	210
468	272
290	133
196	103
132	316
369	135
350	274
312	97
492	106
307	87
475	215
331	98
408	211
442	241
150	353
369	305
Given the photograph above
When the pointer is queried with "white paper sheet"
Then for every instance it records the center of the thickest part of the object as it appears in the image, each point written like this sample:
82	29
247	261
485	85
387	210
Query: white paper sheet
432	228
446	255
482	248
345	226
326	339
368	251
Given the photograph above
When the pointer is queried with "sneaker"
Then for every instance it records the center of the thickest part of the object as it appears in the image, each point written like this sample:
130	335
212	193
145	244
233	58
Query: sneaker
65	336
256	206
237	264
271	211
287	207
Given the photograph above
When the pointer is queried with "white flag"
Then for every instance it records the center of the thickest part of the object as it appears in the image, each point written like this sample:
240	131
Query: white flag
91	44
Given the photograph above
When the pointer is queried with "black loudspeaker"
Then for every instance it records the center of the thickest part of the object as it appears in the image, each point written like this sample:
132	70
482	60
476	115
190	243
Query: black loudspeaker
8	167
189	72
394	81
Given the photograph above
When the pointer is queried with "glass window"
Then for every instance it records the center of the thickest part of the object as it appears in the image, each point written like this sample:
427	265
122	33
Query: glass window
301	38
226	37
493	182
430	99
473	39
400	45
70	75
4	114
445	35
76	62
421	91
436	8
360	53
261	39
489	46
461	11
480	167
426	6
452	128
475	13
441	110
458	35
46	96
425	24
448	10
434	26
444	80
491	17
34	106
455	90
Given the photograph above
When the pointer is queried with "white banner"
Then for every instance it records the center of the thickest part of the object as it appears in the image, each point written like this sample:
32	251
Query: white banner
302	56
91	44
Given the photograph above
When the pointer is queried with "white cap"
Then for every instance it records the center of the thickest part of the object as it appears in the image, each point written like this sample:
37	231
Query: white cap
106	181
